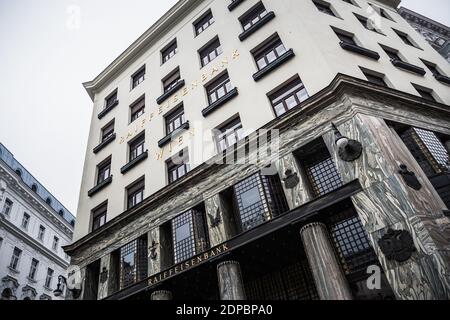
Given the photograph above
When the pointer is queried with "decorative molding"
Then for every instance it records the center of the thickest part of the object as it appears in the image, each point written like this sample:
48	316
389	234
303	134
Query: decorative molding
397	245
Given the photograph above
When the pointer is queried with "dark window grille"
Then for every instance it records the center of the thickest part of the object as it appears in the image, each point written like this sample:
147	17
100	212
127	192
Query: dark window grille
138	78
203	23
137	109
179	167
269	52
174	120
229	134
210	52
189	235
253	17
324	7
107	131
133	262
172	80
218	88
137	147
288	97
294	282
169	51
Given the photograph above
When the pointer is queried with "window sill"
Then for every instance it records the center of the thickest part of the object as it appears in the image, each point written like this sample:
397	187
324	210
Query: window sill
234	4
167	94
247	33
31	280
130	165
170	136
408	66
106	110
441	78
214	106
13	270
275	64
104	143
100	186
360	50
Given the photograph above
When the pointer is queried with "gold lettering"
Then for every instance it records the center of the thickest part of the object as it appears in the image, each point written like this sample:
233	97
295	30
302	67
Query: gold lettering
194	85
175	98
224	62
160	110
186	264
143	122
218	250
122	140
204	77
129	135
199	259
235	54
180	140
177	269
159	155
212	253
185	91
206	256
225	247
213	71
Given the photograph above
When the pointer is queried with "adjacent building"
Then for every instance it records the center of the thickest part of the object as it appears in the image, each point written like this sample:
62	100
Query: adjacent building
265	149
34	226
437	34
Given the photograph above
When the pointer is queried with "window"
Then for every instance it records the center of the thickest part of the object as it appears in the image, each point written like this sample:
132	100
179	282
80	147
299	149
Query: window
99	216
204	22
210	52
135	193
133	262
108	131
48	279
381	12
1	242
171	80
34	187
15	258
218	88
55	243
137	147
368	24
137	109
288	97
138	77
253	16
189	234
169	51
346	38
375	78
393	54
174	120
33	269
433	68
269	52
425	93
178	166
111	100
7	206
103	171
229	134
25	220
41	233
405	38
324	7
48	201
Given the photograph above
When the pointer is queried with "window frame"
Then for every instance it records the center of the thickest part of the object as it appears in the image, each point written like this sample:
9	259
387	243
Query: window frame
171	118
171	80
206	20
222	81
25	220
257	12
287	90
33	269
136	147
208	49
15	258
232	127
133	191
100	214
173	169
271	45
138	77
41	232
104	133
137	109
166	55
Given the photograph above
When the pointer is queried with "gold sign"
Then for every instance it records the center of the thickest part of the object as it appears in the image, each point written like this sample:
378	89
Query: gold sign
195	261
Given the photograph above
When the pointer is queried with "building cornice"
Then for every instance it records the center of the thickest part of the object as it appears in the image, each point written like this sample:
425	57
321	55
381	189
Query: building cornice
424	22
154	33
340	85
391	3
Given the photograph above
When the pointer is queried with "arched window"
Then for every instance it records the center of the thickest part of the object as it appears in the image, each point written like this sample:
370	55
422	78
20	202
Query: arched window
6	294
61	212
34	187
49	201
19	172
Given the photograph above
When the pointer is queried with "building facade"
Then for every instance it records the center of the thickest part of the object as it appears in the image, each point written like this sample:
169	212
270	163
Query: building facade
34	226
437	34
268	150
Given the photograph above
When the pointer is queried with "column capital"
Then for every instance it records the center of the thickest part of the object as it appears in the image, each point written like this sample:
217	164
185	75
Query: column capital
311	225
229	262
156	295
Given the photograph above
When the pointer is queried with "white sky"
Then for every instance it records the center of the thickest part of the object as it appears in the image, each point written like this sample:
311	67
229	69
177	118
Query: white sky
45	55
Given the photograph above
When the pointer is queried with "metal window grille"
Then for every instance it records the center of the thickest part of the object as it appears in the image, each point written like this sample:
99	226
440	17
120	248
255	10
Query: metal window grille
293	282
133	262
434	146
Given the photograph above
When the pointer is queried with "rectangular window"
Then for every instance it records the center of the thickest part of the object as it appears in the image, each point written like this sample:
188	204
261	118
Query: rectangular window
133	262
229	134
135	193
405	38
178	166
55	243
137	109
171	80
253	16
137	147
41	233
204	22
375	78
393	54
108	131
99	216
425	93
169	51
25	220
269	52
288	97
219	88
210	52
111	99
324	7
103	171
174	120
346	38
433	68
7	206
15	258
48	279
138	77
189	235
33	269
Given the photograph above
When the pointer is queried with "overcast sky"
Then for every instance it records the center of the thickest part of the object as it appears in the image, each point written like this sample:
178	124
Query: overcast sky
48	48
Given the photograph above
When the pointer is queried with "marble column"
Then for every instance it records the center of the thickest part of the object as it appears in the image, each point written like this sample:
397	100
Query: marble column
387	202
105	277
330	280
161	295
158	251
294	181
231	286
219	215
